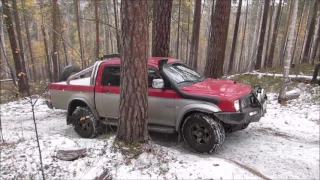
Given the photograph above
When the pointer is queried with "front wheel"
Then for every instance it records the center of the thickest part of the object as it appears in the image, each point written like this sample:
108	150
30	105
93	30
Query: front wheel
85	123
202	133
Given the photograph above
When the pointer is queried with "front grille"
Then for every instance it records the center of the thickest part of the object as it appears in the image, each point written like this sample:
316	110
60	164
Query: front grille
249	101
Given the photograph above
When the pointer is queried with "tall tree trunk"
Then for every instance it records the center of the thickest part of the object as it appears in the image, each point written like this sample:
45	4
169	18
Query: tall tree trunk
62	29
243	38
106	28
44	34
21	49
298	32
316	43
55	53
110	34
256	30
4	55
26	24
218	39
194	46
76	9
288	54
187	38
96	12
305	33
235	37
134	72
262	34
311	28
274	35
161	27
178	35
269	34
22	83
115	7
283	48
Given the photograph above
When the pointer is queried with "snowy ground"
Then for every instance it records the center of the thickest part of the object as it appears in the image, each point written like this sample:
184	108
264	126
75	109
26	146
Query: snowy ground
284	144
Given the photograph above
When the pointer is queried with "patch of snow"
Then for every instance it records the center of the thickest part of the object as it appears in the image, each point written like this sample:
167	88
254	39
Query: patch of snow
284	144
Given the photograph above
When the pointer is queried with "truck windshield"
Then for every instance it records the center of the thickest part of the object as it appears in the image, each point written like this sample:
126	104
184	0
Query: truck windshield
180	74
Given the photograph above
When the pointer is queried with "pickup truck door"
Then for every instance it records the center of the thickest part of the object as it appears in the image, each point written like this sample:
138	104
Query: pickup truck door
161	102
109	92
161	108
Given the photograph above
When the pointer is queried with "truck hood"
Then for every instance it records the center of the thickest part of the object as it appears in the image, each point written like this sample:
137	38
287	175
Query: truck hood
222	89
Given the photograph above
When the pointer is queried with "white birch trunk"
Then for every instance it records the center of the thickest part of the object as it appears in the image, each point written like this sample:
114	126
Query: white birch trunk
3	53
289	49
315	37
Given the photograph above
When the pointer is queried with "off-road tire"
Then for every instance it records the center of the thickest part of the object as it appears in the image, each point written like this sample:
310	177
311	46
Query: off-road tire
68	71
85	125
214	134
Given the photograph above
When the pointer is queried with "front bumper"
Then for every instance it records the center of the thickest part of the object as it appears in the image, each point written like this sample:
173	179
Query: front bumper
252	113
49	104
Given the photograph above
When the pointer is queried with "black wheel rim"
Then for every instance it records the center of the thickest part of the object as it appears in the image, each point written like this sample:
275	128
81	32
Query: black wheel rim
200	134
83	124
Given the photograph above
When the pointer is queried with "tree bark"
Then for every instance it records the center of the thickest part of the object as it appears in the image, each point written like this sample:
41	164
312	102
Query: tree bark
243	38
55	53
44	34
62	29
116	24
194	46
96	12
161	28
22	83
316	42
76	9
283	47
235	37
274	35
269	34
298	32
26	24
306	52
178	35
21	49
187	40
262	34
134	72
218	39
288	54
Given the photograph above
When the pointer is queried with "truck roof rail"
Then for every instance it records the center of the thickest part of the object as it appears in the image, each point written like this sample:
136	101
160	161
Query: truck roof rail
106	56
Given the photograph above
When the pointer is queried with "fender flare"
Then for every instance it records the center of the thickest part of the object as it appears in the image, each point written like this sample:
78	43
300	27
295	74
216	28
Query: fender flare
93	110
205	108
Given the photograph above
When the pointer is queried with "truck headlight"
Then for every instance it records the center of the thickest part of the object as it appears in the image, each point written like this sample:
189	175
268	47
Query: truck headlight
236	104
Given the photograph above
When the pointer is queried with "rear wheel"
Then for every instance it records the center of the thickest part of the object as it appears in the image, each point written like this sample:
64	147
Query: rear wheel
84	122
202	133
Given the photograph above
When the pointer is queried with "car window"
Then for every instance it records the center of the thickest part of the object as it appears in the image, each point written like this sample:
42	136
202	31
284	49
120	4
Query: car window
111	76
152	74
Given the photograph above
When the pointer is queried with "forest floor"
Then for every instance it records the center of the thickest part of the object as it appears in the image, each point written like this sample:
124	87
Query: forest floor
284	144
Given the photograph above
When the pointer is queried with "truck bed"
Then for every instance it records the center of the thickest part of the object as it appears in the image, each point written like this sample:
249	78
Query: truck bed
82	81
62	93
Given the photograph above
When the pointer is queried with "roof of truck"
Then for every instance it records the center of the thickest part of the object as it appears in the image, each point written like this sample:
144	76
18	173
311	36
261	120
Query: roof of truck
153	61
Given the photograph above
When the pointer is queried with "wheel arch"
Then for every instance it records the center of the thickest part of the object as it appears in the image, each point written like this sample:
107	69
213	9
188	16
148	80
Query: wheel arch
190	109
74	103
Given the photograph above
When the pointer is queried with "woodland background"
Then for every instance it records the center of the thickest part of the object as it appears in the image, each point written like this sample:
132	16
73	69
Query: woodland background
52	34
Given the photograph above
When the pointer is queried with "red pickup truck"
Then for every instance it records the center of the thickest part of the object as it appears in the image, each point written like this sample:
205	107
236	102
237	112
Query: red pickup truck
180	100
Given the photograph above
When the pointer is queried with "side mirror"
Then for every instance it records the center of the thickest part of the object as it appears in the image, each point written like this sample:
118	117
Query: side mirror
157	83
